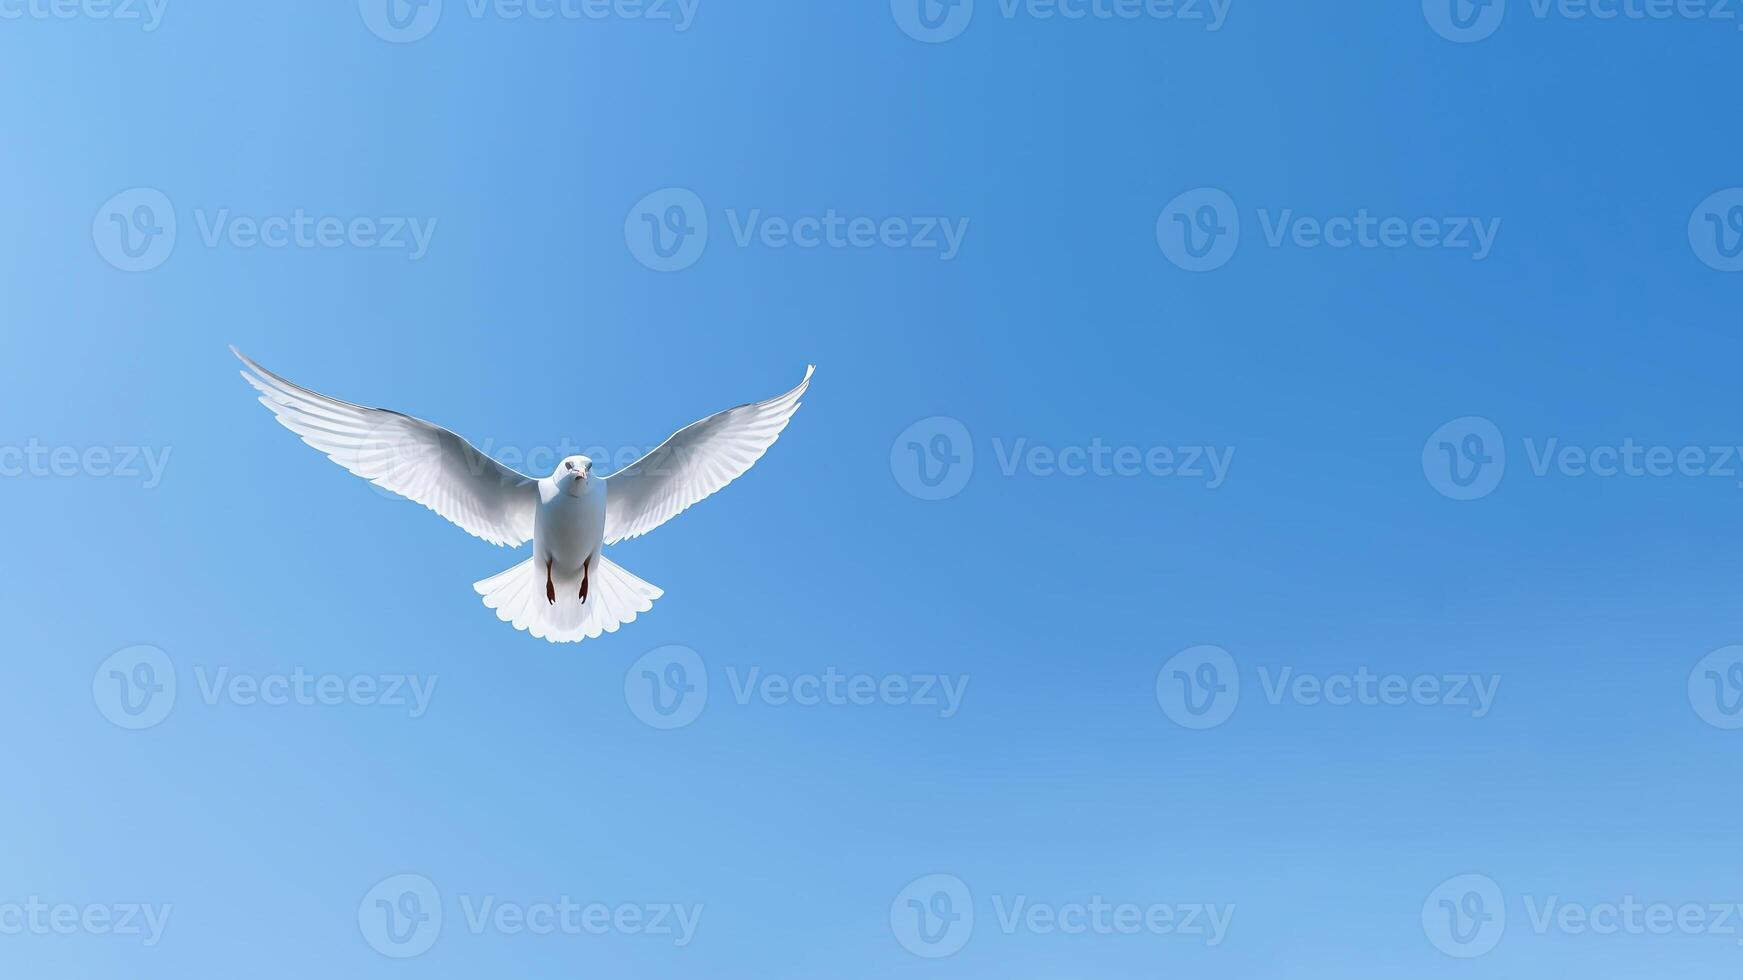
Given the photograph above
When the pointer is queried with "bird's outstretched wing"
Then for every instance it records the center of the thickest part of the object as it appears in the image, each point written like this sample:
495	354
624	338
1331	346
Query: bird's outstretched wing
413	458
697	461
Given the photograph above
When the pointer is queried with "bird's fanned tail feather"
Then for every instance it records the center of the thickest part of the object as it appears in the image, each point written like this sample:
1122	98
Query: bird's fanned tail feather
615	597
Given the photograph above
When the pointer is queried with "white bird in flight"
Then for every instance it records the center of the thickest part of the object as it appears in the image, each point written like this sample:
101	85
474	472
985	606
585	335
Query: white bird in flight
567	591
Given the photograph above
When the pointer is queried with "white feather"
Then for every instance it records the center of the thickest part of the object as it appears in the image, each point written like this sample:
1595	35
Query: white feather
694	463
413	458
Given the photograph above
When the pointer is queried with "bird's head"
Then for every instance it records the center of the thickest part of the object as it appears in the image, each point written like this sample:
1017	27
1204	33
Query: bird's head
573	473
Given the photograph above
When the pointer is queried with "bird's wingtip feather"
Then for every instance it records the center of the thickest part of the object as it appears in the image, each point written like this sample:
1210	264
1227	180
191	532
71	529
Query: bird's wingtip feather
247	361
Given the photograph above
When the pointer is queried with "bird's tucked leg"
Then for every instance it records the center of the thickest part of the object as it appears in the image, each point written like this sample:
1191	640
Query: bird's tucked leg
584	567
550	586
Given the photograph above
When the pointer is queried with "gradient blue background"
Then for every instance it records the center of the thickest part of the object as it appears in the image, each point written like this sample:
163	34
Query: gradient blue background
1061	322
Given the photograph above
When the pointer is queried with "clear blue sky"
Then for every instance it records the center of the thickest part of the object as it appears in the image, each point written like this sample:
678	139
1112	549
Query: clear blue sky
1463	232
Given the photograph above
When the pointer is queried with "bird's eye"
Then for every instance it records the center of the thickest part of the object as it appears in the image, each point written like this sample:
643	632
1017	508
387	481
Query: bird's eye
569	465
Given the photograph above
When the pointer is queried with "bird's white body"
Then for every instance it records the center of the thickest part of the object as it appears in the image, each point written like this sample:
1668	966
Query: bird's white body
569	528
568	590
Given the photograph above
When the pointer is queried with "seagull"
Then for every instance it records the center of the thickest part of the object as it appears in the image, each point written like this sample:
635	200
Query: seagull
568	590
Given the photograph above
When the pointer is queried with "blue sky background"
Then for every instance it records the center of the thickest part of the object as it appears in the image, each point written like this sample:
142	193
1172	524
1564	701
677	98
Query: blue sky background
1061	321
